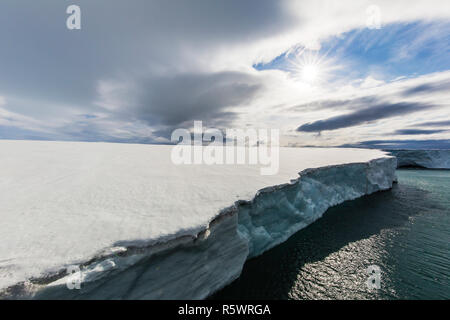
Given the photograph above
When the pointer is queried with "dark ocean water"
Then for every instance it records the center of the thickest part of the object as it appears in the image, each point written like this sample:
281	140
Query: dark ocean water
404	231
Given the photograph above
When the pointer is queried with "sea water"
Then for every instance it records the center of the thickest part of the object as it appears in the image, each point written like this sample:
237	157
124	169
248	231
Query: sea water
405	232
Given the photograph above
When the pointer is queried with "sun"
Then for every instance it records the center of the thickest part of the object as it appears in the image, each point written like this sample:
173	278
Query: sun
309	67
310	73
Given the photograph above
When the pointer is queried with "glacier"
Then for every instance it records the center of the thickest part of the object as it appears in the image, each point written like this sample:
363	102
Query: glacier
138	227
429	159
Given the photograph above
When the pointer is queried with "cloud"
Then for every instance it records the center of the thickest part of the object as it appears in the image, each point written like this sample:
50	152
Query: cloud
139	70
364	115
427	88
177	99
402	144
173	101
416	132
338	104
350	113
435	124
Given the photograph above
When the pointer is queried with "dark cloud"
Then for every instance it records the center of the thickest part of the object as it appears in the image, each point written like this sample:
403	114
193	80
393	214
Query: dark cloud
427	88
175	100
168	52
372	108
159	46
43	60
364	115
416	131
401	144
434	124
336	104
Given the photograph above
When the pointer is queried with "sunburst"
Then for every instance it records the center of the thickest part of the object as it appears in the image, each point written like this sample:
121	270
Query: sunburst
308	67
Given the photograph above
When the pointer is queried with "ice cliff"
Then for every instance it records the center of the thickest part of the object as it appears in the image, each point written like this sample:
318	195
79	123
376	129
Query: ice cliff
194	268
430	159
132	225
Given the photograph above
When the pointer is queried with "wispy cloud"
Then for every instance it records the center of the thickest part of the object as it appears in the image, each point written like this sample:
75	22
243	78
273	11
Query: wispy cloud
428	88
445	123
173	62
365	115
408	132
402	144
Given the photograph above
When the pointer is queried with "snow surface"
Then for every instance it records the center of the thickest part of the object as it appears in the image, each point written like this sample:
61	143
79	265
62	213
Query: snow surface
114	207
430	159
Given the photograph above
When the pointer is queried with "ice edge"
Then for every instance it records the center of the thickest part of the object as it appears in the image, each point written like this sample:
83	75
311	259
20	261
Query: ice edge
194	266
429	159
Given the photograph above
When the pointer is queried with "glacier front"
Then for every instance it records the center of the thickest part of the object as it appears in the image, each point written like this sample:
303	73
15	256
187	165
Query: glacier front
132	225
429	159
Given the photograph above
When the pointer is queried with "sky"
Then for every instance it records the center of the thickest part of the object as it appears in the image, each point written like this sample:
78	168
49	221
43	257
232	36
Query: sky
325	73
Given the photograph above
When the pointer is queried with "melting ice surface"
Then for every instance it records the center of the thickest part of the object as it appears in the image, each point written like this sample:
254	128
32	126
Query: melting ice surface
140	227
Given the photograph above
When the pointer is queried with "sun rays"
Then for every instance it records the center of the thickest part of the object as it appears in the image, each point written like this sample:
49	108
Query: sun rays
309	67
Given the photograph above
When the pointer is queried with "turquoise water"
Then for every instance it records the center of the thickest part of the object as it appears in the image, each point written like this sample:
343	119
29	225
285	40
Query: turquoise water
404	231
